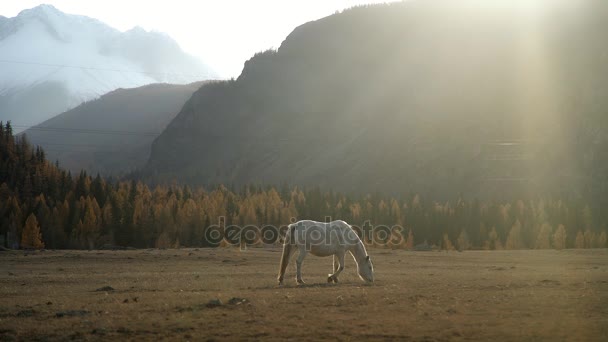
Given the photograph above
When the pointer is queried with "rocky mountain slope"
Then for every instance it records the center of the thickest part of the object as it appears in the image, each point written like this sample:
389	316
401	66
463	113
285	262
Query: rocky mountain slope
113	134
437	97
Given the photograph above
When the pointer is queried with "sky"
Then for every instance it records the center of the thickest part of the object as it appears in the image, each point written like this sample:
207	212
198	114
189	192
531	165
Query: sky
222	33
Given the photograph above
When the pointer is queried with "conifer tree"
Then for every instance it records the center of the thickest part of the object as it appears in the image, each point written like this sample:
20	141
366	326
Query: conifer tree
559	238
601	240
514	239
90	225
543	241
589	237
493	242
580	240
447	244
410	240
31	236
463	241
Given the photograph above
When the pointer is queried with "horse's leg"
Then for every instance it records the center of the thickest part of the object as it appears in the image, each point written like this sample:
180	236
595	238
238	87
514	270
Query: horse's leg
299	260
336	264
288	251
338	268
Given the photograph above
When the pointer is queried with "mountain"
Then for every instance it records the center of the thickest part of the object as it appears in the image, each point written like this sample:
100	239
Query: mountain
436	97
112	134
51	61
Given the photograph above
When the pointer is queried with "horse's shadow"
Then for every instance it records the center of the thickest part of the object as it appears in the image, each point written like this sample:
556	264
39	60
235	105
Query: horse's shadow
314	285
309	285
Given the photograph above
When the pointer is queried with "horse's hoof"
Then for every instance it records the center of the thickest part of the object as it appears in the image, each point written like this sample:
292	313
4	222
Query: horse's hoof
330	279
301	282
280	283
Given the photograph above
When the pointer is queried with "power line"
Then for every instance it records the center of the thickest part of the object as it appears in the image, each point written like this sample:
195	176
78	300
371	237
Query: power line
86	131
99	69
61	150
44	143
250	138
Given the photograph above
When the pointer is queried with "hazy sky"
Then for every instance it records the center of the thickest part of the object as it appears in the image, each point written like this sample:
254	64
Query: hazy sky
223	33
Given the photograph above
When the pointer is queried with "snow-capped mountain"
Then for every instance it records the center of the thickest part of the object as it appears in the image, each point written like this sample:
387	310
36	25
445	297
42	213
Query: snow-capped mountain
51	61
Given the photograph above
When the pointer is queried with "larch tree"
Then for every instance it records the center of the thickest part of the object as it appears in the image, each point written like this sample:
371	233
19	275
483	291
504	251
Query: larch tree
559	238
580	240
543	240
601	240
590	241
447	244
395	211
355	212
91	225
514	239
463	241
31	236
494	242
410	240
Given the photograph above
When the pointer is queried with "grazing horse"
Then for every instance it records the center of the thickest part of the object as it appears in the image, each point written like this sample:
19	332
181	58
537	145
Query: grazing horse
324	239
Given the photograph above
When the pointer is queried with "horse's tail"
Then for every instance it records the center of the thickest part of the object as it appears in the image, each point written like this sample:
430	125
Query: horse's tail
287	251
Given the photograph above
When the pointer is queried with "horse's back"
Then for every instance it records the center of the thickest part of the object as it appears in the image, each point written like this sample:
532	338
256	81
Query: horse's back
323	238
323	226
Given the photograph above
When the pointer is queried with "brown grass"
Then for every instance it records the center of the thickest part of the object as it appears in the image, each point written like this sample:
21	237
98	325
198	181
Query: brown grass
418	296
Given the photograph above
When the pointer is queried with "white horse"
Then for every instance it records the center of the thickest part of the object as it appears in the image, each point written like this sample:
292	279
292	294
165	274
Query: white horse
325	239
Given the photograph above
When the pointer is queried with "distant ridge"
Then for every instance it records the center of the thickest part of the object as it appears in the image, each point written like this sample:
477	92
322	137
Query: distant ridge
113	134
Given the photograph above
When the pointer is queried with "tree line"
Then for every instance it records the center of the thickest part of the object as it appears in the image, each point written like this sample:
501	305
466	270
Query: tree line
43	206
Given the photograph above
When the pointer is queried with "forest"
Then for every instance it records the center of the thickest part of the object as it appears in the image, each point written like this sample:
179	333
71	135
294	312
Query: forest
43	206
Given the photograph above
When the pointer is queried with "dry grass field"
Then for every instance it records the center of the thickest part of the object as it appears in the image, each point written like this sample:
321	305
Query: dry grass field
418	296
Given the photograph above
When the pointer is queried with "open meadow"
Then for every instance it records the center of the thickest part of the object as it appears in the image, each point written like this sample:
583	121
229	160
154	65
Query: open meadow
227	294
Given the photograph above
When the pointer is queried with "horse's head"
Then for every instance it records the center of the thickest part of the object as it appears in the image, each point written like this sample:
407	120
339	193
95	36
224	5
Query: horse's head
366	269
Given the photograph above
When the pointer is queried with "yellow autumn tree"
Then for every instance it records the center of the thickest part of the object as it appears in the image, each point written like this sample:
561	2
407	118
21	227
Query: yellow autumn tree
31	236
580	240
163	241
395	210
447	244
355	212
514	240
463	241
589	237
410	240
559	238
91	226
493	241
543	240
601	240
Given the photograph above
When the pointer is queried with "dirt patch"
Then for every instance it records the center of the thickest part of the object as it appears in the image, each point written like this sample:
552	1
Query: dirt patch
105	289
72	313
